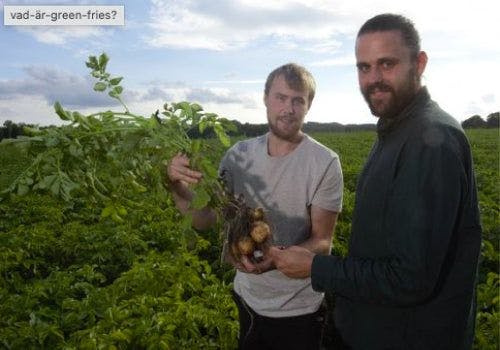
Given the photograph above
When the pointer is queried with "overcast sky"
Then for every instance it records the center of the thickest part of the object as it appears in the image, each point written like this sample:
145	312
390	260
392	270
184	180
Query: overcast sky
218	53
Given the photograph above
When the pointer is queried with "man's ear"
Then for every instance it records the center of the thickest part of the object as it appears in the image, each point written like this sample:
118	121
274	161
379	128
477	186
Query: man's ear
421	62
264	98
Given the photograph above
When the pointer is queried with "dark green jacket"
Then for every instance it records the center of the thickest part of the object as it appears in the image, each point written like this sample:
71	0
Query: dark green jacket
409	279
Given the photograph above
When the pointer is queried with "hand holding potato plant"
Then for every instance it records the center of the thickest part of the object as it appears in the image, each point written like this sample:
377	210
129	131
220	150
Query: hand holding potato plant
246	231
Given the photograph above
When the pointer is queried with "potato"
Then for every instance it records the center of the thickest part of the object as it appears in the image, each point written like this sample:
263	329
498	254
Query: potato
256	214
246	246
260	231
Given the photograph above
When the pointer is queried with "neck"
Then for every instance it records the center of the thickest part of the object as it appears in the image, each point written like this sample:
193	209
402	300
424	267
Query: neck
278	147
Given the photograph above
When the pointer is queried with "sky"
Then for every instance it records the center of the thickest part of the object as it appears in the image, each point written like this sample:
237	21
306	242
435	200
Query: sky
219	53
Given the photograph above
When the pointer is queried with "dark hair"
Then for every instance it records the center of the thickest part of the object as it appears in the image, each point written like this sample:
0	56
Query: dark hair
296	76
388	22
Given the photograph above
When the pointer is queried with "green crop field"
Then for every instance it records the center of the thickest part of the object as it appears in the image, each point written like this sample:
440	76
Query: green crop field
94	254
72	278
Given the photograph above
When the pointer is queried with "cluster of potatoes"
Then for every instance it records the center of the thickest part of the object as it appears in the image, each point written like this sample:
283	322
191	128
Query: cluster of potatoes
255	242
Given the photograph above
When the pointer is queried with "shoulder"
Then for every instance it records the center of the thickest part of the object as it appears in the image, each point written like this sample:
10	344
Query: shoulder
248	145
436	129
318	150
245	150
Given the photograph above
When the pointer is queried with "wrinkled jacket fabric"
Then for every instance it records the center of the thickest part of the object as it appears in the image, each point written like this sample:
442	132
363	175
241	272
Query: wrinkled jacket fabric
408	281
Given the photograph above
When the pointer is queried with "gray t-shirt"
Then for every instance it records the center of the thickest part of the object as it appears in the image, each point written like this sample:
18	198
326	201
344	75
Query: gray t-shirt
285	187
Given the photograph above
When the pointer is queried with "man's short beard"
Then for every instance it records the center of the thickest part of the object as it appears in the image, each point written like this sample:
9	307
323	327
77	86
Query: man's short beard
284	136
399	99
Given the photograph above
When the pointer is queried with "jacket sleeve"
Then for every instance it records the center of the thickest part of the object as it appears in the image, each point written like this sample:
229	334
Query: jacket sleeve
421	214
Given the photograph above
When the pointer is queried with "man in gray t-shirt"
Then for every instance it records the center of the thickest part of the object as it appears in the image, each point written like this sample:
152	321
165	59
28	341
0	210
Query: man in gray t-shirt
298	182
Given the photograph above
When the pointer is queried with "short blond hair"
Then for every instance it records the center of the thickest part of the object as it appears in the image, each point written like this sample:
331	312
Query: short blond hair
296	76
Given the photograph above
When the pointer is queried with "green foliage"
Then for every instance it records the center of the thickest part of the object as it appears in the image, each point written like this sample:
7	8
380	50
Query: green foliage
94	254
110	158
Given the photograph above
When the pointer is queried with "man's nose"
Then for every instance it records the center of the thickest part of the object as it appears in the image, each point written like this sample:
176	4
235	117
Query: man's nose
375	75
288	106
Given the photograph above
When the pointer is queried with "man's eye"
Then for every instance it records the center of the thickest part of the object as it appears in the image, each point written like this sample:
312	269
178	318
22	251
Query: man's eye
387	64
299	102
363	68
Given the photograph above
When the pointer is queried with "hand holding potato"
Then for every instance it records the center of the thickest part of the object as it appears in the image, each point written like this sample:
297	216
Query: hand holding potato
294	262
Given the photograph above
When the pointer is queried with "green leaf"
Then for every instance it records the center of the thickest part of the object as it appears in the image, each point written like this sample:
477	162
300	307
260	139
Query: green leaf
118	89
201	198
117	218
196	107
100	86
103	61
122	211
61	112
51	141
120	336
221	135
208	168
22	189
78	117
75	151
195	146
202	126
185	107
92	62
55	187
115	81
46	181
107	211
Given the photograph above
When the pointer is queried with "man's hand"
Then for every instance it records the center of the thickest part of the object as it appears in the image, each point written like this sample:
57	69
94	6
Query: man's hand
259	267
179	176
294	262
178	170
244	264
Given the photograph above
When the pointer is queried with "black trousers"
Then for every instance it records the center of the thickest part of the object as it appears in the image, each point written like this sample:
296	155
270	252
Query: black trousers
288	333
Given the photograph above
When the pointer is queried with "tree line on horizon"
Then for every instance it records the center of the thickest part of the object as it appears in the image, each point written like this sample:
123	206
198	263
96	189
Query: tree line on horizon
13	130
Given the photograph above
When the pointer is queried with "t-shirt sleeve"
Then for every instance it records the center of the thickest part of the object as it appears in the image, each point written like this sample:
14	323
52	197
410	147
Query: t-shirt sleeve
329	192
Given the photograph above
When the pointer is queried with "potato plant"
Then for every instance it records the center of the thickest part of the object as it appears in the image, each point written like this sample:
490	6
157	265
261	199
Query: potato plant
94	254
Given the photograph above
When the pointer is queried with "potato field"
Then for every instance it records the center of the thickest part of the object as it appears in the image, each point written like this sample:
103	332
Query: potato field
94	254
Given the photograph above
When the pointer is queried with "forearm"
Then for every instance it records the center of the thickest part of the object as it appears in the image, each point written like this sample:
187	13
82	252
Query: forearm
382	281
323	225
318	245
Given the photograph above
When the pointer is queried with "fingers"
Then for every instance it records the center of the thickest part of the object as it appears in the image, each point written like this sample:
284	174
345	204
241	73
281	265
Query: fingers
247	264
178	170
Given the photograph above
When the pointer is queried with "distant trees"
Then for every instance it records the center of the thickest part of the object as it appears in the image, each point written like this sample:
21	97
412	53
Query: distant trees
11	130
492	121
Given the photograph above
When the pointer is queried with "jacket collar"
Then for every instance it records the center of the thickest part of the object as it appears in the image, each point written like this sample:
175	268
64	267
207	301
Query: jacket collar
386	125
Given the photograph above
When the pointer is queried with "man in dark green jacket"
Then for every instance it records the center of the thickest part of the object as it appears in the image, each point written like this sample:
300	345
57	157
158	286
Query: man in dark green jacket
409	279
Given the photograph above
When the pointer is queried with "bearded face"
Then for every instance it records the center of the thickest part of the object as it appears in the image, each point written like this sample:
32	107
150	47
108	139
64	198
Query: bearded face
388	73
387	100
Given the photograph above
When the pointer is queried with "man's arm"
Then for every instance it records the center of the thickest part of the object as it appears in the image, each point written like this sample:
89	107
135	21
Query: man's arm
296	261
322	226
180	175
